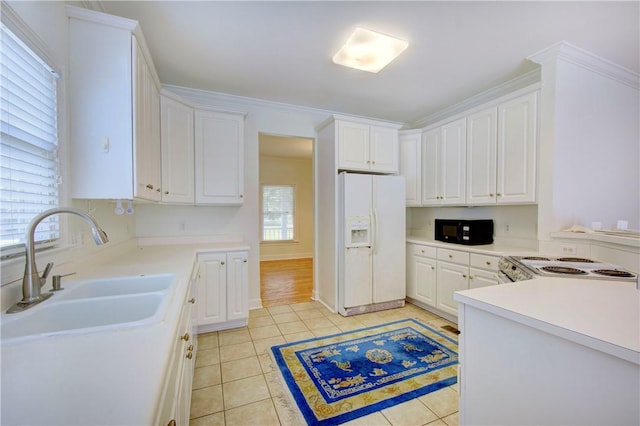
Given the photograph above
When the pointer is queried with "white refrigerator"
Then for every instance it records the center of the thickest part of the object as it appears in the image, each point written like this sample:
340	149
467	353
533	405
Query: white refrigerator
371	243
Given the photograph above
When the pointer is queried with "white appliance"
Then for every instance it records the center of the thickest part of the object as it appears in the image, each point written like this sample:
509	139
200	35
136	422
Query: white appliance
520	268
371	258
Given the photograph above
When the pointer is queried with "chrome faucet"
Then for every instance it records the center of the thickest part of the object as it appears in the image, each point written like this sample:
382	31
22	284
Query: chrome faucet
32	282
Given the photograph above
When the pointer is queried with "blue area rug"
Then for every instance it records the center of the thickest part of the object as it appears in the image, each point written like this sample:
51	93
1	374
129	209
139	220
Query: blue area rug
337	378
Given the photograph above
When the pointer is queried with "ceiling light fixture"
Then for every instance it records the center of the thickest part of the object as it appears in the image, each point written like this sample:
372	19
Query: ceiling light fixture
368	50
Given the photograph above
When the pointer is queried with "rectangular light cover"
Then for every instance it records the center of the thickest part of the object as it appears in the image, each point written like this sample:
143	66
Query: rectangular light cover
368	50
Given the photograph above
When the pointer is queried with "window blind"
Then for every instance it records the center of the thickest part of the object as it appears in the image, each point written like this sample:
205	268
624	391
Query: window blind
29	140
278	202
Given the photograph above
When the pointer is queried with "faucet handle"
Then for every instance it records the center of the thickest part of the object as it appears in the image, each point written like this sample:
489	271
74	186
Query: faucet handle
47	270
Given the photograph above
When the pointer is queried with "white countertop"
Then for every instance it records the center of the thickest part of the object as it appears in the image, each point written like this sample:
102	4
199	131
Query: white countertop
600	314
102	377
490	249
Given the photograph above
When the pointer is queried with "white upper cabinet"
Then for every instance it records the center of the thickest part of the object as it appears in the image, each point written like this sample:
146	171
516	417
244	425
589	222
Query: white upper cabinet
411	165
431	167
114	103
517	148
146	123
219	158
366	147
482	140
383	149
501	153
443	164
177	152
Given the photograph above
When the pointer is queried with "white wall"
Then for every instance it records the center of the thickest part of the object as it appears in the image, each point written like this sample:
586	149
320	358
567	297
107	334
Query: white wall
515	226
298	172
589	141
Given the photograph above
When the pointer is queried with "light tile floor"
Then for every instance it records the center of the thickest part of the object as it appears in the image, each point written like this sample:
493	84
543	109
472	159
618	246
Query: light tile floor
236	382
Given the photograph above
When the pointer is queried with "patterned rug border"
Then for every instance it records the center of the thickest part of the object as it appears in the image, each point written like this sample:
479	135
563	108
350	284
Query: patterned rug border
310	417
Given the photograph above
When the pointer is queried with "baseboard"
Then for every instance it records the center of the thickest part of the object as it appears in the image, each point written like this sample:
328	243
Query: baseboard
255	304
289	256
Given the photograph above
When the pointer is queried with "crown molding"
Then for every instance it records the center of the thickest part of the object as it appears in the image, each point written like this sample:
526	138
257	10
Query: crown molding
96	5
568	52
201	98
530	78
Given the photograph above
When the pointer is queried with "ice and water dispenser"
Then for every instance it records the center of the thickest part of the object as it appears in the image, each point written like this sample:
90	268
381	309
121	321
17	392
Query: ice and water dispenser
358	231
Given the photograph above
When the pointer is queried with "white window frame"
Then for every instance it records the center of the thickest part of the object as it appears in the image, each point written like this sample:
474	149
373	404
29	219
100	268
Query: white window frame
295	215
30	39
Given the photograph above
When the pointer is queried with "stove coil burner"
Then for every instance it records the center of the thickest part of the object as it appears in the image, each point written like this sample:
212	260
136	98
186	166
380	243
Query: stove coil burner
574	259
613	273
536	258
563	270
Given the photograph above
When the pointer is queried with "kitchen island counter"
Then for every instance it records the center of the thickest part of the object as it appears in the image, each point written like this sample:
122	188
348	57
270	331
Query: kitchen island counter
550	351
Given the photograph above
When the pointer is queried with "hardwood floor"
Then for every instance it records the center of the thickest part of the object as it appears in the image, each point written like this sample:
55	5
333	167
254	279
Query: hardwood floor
284	282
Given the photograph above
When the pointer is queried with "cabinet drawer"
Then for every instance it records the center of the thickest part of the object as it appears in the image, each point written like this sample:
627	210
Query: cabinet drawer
427	251
454	256
484	261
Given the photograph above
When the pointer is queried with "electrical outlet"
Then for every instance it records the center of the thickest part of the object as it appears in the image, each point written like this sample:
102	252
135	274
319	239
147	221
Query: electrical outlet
506	228
568	249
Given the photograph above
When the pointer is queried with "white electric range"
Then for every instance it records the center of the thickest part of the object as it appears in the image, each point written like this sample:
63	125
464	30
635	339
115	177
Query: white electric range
520	268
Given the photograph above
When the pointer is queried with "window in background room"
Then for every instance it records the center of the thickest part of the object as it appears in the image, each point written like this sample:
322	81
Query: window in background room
278	212
29	144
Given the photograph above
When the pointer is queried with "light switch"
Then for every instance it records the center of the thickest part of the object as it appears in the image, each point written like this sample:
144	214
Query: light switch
105	144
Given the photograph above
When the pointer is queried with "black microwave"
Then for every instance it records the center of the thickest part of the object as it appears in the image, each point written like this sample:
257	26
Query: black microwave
469	232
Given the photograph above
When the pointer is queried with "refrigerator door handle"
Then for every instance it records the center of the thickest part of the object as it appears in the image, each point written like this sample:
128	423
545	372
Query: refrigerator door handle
374	230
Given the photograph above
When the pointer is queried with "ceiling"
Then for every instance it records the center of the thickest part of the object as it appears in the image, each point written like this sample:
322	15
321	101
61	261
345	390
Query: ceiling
281	51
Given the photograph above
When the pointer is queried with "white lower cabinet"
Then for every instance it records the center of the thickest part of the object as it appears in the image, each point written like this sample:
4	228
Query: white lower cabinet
434	274
453	275
223	287
175	404
421	273
483	270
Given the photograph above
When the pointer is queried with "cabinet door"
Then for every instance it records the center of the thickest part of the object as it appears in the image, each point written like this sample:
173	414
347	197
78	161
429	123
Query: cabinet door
482	139
481	278
177	152
453	158
383	149
411	166
212	289
451	278
353	146
517	140
237	285
426	277
431	167
188	359
146	183
219	158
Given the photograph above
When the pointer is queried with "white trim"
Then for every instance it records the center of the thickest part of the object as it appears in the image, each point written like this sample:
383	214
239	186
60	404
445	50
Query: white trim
531	78
204	99
573	54
286	256
493	103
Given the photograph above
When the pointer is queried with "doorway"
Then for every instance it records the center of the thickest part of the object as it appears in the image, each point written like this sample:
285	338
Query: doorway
286	219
